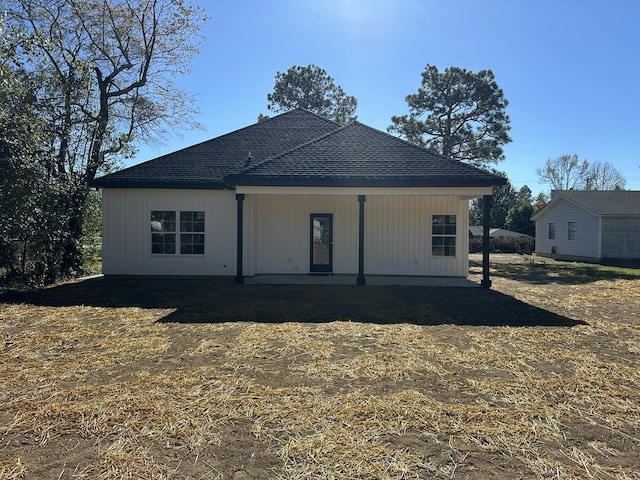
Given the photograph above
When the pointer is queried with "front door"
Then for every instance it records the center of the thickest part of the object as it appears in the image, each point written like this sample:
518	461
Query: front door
321	243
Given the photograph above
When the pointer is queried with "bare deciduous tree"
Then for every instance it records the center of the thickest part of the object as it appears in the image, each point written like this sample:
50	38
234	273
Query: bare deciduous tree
106	70
604	176
567	172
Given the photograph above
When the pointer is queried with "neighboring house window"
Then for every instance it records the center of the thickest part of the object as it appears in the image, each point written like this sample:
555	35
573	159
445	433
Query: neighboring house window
571	231
552	231
443	235
192	233
165	230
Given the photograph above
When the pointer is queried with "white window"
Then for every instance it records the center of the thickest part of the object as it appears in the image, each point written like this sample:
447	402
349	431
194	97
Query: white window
443	235
571	231
552	231
169	236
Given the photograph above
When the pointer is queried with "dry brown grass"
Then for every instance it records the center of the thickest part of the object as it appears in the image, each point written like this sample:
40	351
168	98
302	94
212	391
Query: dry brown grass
110	393
12	469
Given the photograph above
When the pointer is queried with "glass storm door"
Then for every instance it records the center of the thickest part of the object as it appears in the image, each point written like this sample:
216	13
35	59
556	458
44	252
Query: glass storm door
321	243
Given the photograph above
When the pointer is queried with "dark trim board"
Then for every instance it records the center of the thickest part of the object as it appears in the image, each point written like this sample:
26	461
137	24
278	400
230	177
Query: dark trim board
361	199
239	237
486	219
345	181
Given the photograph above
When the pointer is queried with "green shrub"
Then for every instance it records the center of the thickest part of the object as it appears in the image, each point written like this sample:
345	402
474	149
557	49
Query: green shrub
504	245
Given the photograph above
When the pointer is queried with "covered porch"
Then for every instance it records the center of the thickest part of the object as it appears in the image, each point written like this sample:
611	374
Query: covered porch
375	236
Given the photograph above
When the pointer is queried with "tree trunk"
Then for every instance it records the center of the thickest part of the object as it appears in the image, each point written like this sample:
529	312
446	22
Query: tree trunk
446	138
72	262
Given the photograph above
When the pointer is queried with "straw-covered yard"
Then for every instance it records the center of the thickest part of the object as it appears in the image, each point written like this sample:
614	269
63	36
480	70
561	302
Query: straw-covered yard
205	379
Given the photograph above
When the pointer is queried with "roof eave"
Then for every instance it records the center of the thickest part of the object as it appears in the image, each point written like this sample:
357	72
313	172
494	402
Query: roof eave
300	181
172	184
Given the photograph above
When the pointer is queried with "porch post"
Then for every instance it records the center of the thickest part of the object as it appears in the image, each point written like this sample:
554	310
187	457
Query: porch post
361	200
240	220
486	220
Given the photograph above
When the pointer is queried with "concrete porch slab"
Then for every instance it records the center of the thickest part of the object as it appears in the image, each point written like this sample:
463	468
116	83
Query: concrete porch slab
351	280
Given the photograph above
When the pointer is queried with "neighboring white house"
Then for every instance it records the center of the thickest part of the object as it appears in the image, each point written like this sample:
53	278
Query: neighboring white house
589	225
296	194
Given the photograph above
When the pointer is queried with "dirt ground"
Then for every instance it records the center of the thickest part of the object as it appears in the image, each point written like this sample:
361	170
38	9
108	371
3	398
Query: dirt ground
192	379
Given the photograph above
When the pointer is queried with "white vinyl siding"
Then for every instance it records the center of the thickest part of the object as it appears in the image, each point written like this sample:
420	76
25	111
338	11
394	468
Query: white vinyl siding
397	234
281	242
126	232
586	233
276	231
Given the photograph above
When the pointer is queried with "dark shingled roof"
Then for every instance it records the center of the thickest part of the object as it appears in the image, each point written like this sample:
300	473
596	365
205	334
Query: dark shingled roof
205	164
604	202
299	148
358	155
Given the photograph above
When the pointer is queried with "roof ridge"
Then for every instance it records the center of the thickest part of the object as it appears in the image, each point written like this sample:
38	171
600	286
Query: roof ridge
355	123
297	147
310	112
233	132
407	142
424	149
218	138
597	202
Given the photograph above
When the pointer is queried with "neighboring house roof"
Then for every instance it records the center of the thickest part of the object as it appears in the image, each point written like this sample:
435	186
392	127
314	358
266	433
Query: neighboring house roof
501	232
598	202
476	231
299	148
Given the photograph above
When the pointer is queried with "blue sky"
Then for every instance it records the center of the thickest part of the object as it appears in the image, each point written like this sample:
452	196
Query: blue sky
569	68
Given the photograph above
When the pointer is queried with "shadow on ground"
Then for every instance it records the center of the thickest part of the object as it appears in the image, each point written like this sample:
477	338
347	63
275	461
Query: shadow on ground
213	300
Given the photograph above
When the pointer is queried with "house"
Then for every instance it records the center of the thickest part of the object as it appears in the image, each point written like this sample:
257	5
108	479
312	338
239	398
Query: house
589	225
295	194
501	240
476	231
